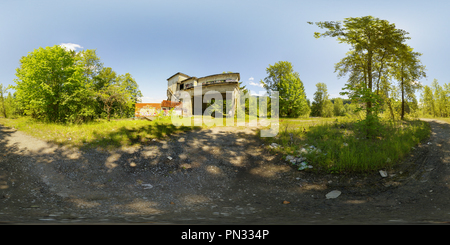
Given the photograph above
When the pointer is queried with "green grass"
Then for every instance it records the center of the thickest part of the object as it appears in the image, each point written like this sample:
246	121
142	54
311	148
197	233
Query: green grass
110	135
343	148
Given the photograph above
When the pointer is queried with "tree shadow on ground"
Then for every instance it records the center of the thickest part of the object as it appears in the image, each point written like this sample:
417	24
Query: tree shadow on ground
135	136
214	175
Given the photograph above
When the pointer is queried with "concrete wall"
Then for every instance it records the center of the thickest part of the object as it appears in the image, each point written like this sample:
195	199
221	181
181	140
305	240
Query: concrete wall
188	83
208	92
174	81
219	83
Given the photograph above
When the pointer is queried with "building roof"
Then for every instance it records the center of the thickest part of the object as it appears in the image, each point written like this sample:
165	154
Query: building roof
166	103
188	79
154	105
221	74
178	73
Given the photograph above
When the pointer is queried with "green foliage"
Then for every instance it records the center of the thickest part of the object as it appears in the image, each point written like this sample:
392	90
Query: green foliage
371	122
337	145
116	93
328	109
47	81
292	97
109	95
435	100
57	85
338	107
320	97
378	55
407	69
4	102
275	73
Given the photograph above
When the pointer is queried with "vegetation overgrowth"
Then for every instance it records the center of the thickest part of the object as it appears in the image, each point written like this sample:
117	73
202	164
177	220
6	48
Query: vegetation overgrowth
340	145
99	133
332	145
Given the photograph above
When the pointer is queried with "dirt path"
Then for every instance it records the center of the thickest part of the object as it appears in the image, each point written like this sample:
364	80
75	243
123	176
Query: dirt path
220	175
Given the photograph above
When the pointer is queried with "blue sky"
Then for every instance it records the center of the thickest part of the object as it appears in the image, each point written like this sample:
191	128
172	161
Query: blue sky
152	40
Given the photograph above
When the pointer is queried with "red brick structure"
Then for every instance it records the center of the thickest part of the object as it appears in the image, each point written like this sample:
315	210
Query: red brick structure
147	109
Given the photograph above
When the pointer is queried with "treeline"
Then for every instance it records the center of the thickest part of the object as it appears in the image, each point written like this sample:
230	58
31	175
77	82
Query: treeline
379	65
281	77
293	102
435	100
322	106
58	85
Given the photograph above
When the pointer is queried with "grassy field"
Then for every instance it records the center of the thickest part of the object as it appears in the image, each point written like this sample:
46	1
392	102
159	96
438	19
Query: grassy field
336	145
333	145
110	135
101	133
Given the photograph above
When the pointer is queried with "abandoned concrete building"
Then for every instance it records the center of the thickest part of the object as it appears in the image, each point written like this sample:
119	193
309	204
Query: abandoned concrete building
225	83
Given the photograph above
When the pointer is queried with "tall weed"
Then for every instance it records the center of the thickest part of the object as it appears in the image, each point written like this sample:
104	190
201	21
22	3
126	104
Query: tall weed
342	145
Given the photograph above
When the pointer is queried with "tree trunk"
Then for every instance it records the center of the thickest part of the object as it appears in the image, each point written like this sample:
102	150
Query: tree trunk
369	76
390	109
403	99
109	113
369	102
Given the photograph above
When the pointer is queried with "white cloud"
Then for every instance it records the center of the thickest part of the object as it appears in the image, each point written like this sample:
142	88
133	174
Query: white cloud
256	84
251	82
70	46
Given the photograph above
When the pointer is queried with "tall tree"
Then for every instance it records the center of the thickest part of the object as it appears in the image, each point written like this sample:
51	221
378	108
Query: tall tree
328	109
446	99
131	88
338	107
428	102
292	97
372	41
281	77
59	85
438	98
320	96
3	91
275	73
407	70
116	93
50	84
91	63
111	94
